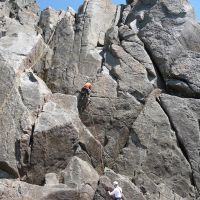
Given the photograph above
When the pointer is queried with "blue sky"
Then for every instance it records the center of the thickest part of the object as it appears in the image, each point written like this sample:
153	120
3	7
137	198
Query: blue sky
62	4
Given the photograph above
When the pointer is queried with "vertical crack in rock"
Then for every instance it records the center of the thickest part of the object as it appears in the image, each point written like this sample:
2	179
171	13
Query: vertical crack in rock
161	81
31	142
179	142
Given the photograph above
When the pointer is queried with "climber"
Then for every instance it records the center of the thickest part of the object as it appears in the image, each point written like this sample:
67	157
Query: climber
87	88
117	192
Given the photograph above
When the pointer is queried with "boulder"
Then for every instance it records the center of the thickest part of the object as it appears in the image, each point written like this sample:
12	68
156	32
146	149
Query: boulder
83	176
14	189
59	123
76	45
184	117
51	179
153	149
18	51
49	19
175	58
33	92
129	190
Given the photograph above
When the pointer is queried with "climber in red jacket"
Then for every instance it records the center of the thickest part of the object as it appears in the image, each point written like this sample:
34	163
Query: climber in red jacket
87	88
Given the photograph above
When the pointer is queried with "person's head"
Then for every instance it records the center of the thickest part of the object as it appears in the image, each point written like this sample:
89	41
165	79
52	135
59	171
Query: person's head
115	183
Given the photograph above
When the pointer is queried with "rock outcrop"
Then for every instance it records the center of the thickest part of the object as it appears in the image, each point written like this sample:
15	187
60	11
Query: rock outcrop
142	125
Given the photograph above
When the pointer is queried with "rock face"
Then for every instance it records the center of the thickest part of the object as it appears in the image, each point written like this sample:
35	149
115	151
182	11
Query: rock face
185	120
176	58
142	125
83	176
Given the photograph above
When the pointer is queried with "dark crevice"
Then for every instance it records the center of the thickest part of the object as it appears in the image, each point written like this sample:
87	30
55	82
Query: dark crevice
136	140
99	45
31	142
172	15
143	190
150	75
139	96
180	143
8	170
126	145
32	77
31	138
161	82
83	147
185	93
106	141
17	150
21	93
192	180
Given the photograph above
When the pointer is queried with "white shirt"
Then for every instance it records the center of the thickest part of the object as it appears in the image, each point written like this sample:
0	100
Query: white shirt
117	192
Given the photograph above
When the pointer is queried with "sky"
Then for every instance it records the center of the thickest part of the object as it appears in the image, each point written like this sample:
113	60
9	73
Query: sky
63	4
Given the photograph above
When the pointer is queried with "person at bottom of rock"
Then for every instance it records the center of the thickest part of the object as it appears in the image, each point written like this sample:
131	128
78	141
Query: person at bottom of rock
87	88
117	192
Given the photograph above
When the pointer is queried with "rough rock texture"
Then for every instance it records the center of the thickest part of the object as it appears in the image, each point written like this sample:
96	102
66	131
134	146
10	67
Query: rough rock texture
142	125
80	174
184	116
130	190
141	152
76	42
13	189
19	49
166	28
59	123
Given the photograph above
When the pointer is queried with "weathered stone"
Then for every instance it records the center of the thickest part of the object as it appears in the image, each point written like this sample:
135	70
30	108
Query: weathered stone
165	30
58	123
53	126
22	49
49	19
87	139
33	92
13	189
51	179
130	191
140	136
18	51
154	191
76	53
105	90
131	74
184	116
80	174
153	148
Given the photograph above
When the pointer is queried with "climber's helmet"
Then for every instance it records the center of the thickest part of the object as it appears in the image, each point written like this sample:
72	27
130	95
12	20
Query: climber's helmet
115	183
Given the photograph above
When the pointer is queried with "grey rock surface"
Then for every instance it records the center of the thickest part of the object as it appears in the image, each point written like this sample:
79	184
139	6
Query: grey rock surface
76	45
83	176
141	127
164	27
130	191
152	142
14	189
184	116
33	92
49	19
18	51
59	123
